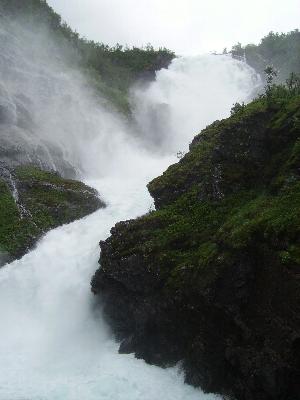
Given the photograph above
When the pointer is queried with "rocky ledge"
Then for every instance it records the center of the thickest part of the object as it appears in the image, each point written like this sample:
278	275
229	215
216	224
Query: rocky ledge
212	278
33	201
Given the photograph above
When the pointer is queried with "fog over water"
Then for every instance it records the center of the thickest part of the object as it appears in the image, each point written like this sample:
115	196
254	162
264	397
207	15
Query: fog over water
54	344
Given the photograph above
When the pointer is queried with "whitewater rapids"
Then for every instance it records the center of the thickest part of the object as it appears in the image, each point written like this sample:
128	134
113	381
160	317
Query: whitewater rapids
54	344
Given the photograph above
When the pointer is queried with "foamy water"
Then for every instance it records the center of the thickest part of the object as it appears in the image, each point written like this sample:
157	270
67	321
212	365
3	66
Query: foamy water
54	344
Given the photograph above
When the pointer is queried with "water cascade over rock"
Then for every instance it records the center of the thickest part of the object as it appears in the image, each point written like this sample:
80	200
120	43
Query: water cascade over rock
53	341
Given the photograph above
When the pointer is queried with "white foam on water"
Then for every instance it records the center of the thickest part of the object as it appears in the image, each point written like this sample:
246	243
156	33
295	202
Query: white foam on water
54	344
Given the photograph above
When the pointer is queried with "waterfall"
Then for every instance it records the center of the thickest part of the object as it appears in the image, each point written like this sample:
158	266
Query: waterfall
192	93
54	344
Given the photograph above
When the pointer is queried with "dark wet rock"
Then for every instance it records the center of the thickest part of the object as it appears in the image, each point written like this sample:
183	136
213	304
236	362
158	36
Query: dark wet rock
230	158
211	279
5	258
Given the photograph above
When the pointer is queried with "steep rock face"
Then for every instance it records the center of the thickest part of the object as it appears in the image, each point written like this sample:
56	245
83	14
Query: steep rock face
22	137
212	277
33	201
230	157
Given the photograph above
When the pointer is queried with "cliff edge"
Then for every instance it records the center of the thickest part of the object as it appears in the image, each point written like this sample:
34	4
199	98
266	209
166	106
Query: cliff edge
212	277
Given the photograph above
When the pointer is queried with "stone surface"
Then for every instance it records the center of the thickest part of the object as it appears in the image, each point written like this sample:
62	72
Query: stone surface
212	278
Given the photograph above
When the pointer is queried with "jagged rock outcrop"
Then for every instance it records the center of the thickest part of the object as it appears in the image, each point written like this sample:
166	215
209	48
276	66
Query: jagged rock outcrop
212	277
33	201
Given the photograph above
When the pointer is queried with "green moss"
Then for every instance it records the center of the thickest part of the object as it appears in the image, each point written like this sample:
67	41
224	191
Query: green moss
195	233
291	255
46	201
226	156
9	217
25	173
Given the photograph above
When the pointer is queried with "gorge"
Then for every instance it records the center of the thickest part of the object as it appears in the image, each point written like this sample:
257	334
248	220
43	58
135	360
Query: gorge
180	281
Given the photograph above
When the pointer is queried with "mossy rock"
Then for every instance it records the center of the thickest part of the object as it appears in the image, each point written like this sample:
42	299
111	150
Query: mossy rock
207	220
42	201
212	276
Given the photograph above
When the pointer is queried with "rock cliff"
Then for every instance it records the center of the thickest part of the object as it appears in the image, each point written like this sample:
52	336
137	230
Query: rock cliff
212	277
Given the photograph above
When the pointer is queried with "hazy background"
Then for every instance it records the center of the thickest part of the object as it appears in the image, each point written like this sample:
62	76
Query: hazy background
186	26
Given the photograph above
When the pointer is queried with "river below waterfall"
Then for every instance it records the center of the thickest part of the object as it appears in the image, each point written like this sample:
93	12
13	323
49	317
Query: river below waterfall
53	342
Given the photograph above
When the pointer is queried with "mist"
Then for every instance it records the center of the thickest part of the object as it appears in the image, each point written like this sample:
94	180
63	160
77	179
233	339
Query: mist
51	115
190	94
54	343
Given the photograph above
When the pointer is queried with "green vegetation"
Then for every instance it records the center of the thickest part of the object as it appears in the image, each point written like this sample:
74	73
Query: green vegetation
235	194
10	221
280	50
211	278
45	201
112	70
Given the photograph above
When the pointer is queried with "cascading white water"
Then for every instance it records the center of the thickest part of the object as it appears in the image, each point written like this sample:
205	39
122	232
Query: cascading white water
192	93
54	344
